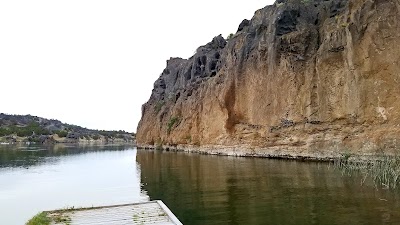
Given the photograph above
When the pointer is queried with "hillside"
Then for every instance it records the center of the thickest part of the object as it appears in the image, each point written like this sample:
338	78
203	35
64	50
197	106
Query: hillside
27	128
301	79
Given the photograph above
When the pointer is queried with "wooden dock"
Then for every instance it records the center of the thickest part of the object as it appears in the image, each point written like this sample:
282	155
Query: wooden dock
153	212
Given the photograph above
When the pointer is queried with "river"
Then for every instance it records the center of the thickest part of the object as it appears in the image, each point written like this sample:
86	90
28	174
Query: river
199	189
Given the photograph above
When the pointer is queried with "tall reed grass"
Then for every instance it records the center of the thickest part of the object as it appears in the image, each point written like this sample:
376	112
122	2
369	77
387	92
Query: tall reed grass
384	171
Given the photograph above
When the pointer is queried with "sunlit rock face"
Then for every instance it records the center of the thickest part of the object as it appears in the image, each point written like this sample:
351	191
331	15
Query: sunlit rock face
302	78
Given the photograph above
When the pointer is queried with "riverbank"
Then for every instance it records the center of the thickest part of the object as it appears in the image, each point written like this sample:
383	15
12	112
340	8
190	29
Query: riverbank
238	151
55	139
275	152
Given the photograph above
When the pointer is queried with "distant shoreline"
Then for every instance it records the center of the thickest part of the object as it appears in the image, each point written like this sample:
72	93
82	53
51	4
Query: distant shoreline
50	140
32	129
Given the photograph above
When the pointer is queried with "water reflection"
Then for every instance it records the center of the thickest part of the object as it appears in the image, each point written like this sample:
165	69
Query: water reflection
30	155
35	179
226	190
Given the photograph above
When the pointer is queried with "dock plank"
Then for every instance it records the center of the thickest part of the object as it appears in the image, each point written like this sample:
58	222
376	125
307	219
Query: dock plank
154	212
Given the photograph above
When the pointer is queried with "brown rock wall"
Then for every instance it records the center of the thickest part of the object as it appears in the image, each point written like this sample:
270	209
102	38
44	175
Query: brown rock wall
302	78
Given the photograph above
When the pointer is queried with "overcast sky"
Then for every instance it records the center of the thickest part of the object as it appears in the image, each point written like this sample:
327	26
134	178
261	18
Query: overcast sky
93	62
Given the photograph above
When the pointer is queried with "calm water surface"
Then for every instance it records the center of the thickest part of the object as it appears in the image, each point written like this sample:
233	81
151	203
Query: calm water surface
39	178
199	189
203	189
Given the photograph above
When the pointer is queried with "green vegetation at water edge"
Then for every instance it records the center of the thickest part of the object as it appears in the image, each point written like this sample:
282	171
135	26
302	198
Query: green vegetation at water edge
40	219
44	218
384	171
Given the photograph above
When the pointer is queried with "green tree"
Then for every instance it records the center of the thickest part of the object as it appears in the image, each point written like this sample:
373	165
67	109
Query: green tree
62	133
230	36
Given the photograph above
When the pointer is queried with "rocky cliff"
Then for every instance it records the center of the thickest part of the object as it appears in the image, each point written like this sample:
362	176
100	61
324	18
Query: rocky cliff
302	78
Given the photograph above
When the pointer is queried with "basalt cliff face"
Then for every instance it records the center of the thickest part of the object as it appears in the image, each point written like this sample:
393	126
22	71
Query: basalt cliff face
302	78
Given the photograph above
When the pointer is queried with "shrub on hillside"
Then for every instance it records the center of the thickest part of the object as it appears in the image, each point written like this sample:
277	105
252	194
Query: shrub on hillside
62	133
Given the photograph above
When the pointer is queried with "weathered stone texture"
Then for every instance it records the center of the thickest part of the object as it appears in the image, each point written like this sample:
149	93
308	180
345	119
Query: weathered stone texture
312	78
